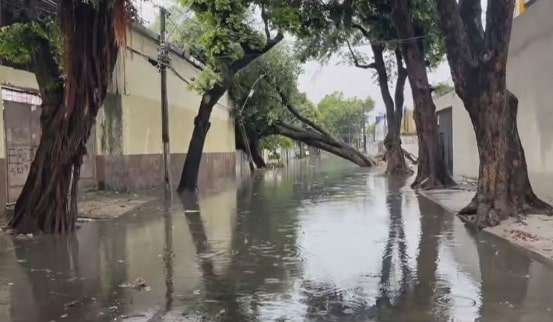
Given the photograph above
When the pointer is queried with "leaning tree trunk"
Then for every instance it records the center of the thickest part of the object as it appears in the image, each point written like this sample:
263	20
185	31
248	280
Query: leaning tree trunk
504	189
322	142
432	172
48	201
257	154
191	168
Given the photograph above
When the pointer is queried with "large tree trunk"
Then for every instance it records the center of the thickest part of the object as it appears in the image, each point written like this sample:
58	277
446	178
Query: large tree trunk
322	142
257	154
504	189
191	168
48	201
478	60
432	172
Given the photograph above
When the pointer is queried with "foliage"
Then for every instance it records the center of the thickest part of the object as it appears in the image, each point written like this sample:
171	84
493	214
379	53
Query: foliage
359	21
18	40
273	143
442	88
345	117
226	34
265	107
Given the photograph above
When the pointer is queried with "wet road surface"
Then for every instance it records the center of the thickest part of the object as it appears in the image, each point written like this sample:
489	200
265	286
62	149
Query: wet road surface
318	241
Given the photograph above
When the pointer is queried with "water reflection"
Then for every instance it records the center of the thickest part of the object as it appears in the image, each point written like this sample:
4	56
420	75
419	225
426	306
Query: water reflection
315	242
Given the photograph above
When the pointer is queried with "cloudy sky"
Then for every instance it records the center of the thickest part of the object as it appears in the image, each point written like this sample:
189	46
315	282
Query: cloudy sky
319	80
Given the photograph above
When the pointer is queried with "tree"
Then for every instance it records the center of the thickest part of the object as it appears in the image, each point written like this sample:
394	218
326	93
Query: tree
229	44
416	28
332	26
344	117
478	60
73	87
277	108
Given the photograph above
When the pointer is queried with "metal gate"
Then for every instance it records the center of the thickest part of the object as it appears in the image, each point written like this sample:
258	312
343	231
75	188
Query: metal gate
22	136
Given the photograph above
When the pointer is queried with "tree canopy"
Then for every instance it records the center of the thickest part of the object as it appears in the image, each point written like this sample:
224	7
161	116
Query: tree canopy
226	37
344	117
279	71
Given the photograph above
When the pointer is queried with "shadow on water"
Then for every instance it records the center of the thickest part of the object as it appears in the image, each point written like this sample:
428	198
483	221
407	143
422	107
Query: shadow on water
318	241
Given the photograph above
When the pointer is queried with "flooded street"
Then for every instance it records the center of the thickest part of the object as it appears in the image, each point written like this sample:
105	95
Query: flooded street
318	241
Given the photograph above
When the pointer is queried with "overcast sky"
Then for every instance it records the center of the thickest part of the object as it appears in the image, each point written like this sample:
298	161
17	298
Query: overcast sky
319	80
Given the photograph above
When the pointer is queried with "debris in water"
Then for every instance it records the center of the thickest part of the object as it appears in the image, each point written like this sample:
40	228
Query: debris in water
63	316
191	211
11	284
71	304
24	236
139	284
272	281
196	292
522	235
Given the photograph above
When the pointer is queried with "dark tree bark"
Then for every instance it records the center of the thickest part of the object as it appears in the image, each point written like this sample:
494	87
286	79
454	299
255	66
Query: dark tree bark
92	35
395	158
257	155
432	172
478	60
191	168
322	142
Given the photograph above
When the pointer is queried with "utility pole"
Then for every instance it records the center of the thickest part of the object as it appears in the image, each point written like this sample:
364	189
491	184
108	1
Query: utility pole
163	62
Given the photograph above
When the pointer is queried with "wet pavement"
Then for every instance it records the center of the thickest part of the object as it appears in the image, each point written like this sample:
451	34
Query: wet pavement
318	241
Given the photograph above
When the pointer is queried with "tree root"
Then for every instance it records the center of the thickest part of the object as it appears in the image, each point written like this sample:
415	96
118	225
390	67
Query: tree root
430	183
480	214
410	157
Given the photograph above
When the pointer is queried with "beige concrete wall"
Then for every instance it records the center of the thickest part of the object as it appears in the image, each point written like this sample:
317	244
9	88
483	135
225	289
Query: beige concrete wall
13	78
530	78
465	152
139	84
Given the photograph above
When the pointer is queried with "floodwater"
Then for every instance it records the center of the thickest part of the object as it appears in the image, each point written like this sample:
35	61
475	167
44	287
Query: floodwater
318	241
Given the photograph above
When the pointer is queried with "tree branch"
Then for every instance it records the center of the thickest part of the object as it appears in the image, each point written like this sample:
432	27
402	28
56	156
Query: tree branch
265	18
400	85
316	140
499	22
363	30
459	52
471	14
304	119
251	54
356	61
382	73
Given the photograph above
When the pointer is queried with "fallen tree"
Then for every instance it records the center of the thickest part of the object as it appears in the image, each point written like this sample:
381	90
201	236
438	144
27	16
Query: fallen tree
275	107
320	141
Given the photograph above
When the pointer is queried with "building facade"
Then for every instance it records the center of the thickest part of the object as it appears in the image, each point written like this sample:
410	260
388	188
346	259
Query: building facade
125	149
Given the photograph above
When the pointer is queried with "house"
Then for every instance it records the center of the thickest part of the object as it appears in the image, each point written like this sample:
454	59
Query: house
125	148
529	77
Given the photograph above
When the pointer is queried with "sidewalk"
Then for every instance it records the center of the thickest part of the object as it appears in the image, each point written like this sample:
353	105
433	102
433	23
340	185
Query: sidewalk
98	205
534	235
